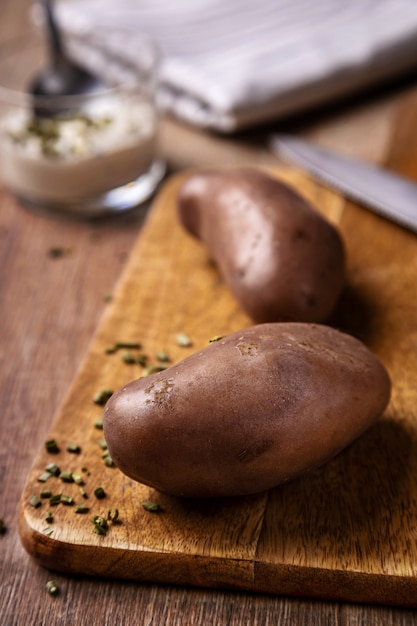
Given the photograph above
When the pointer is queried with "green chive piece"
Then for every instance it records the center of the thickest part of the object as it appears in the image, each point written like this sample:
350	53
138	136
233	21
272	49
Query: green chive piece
74	448
83	493
55	499
153	369
141	359
51	446
100	525
102	443
102	396
53	469
128	358
215	338
49	517
99	423
66	477
108	461
113	515
183	340
44	477
68	500
163	357
34	501
46	493
52	587
82	508
152	507
99	493
120	345
77	478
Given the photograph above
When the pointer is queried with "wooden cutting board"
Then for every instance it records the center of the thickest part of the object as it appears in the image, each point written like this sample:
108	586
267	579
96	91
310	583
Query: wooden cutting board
347	531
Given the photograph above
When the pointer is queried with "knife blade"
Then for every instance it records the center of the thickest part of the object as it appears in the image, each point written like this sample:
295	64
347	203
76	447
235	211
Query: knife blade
390	195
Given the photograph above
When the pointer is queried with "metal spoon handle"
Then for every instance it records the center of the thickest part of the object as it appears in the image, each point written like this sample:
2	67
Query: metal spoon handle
55	39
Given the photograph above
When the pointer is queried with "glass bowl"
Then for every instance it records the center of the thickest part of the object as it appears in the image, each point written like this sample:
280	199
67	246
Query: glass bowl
97	153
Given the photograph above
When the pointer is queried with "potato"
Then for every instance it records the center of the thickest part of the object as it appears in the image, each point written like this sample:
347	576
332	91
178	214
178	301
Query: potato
280	258
247	412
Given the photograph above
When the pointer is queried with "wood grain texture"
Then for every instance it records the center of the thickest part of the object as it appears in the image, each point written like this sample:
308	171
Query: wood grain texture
345	532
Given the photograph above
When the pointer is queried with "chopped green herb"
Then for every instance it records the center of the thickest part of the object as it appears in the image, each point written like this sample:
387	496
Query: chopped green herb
58	253
108	461
102	443
141	359
215	338
34	501
68	500
99	493
153	369
183	340
128	358
83	493
44	477
99	423
81	509
52	587
74	448
51	446
120	345
55	499
163	357
46	493
53	469
113	515
66	477
77	478
100	525
152	507
102	396
48	530
49	517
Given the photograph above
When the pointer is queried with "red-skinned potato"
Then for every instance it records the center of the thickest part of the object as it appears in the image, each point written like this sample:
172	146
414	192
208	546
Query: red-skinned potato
280	258
248	412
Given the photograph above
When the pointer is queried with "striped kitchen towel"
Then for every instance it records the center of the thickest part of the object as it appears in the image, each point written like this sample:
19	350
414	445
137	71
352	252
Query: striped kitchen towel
231	64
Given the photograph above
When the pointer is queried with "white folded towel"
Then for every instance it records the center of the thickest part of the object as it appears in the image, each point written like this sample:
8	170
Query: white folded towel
230	64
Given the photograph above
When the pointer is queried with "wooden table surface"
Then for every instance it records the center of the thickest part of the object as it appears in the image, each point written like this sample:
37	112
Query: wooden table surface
50	308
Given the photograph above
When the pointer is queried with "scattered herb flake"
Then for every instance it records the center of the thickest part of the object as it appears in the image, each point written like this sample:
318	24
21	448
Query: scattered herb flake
55	499
99	423
99	493
48	530
51	446
53	469
152	507
102	396
113	515
102	443
49	517
100	525
82	508
44	477
163	357
215	338
34	501
46	493
74	448
52	587
183	340
68	500
66	477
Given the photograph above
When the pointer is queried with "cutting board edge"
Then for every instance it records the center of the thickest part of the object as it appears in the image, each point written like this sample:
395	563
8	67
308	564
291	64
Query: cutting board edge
211	572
